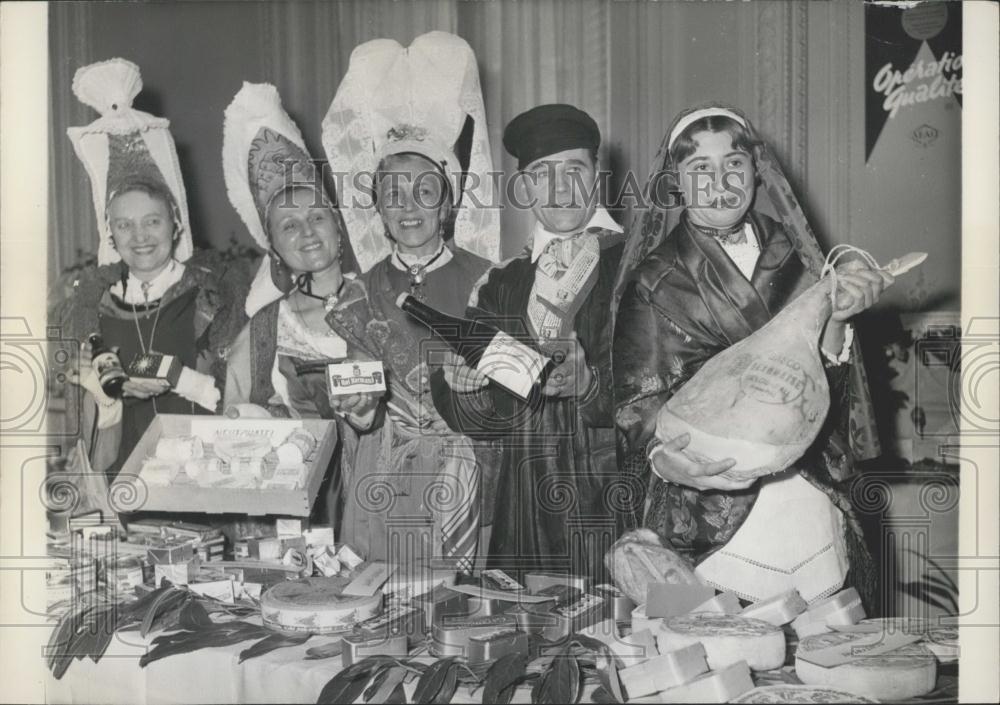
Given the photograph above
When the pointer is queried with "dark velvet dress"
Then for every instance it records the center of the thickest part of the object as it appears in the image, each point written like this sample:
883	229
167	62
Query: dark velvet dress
166	328
557	482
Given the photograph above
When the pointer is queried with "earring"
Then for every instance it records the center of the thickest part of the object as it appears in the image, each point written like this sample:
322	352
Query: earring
281	276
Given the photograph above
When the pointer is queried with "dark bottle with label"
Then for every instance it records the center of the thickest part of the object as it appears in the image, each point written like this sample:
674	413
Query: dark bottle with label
507	361
108	366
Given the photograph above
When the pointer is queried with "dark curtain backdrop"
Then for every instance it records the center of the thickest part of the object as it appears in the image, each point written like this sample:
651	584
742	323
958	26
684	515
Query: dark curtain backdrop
632	65
796	68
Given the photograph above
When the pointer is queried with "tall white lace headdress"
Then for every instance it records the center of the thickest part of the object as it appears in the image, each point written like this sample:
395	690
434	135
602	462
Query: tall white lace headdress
424	98
125	145
262	153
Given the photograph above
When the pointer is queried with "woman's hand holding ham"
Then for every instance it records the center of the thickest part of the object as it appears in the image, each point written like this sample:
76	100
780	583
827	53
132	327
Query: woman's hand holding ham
670	463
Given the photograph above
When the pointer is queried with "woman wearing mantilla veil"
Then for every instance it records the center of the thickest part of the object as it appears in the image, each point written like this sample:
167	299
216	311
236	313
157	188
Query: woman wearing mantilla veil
413	119
721	247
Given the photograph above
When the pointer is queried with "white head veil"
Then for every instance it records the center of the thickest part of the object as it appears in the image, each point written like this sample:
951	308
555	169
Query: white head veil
424	98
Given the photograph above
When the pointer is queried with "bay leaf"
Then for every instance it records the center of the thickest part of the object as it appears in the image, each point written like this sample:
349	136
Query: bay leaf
564	680
392	680
334	648
431	681
505	671
193	616
272	642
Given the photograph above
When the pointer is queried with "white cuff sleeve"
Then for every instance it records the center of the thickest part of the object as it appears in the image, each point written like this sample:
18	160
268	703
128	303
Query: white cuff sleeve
363	422
199	388
845	351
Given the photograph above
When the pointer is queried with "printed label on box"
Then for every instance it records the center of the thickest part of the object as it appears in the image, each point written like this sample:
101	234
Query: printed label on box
355	377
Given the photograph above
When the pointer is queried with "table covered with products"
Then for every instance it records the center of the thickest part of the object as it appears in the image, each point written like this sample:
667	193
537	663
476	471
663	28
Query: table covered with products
262	631
169	610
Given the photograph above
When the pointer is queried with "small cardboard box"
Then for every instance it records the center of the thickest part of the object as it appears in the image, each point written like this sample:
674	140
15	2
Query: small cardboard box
154	366
355	377
188	496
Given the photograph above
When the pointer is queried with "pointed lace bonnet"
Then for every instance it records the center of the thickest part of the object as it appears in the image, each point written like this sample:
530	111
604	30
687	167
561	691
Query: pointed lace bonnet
124	146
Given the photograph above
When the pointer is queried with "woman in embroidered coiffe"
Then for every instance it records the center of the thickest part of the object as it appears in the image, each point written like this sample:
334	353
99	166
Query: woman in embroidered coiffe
150	293
277	364
722	247
405	132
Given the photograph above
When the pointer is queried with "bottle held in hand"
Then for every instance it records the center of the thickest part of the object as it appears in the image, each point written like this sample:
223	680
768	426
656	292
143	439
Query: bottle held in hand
507	361
108	366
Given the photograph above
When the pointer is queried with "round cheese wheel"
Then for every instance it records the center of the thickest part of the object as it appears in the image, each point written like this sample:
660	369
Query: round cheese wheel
907	672
316	605
788	693
726	638
941	640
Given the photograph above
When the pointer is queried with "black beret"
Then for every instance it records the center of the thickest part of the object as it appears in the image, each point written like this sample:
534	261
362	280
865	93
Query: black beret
549	129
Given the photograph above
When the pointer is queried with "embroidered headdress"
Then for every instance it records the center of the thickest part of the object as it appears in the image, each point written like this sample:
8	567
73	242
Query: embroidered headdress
426	99
263	154
124	147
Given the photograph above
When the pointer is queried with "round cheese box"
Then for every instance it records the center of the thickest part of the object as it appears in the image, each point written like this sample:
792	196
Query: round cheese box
907	672
788	693
942	640
726	638
316	605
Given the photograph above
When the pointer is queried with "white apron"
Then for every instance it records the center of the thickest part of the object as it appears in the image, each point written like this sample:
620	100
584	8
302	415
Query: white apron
793	538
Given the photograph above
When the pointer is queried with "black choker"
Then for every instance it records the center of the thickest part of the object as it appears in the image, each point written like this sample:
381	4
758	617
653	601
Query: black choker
732	235
418	272
304	284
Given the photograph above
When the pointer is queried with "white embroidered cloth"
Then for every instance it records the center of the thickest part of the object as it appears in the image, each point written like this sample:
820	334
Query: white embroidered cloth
793	538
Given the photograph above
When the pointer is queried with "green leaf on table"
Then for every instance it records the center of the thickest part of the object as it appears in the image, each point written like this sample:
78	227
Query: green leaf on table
397	696
59	649
601	696
389	681
539	690
194	616
504	672
378	677
272	642
449	685
334	648
346	686
226	634
167	601
564	680
433	681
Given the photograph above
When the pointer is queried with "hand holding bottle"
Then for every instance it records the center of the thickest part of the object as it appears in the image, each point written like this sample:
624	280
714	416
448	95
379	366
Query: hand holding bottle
460	377
573	376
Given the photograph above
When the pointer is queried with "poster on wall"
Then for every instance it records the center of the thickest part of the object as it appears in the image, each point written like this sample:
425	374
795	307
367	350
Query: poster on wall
913	64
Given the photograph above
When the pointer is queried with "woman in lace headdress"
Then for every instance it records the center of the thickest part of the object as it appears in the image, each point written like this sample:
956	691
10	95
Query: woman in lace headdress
151	292
277	364
721	247
403	115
